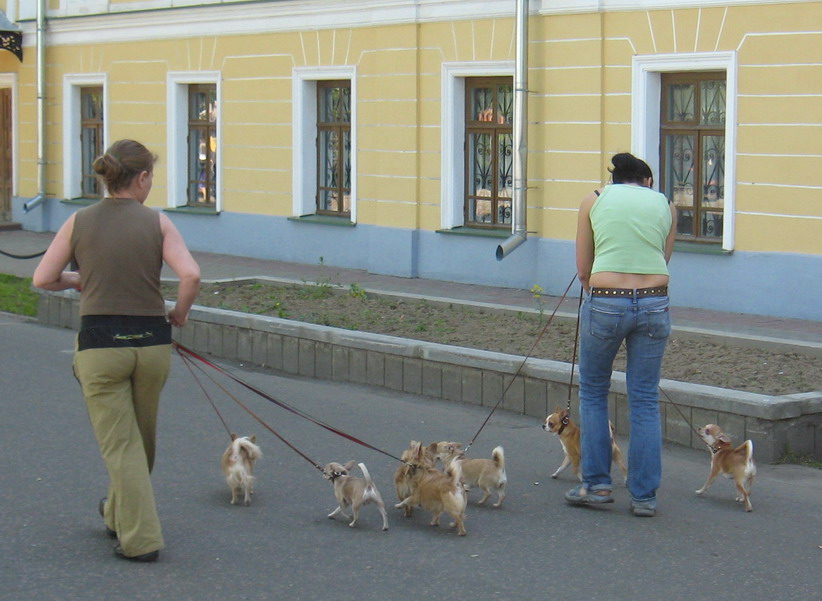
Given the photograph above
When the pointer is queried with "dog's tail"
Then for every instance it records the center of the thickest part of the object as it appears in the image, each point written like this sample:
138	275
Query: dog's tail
498	455
370	489
245	446
746	450
454	470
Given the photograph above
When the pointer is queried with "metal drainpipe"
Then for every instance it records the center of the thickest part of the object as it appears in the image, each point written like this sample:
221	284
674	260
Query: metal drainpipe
41	110
519	205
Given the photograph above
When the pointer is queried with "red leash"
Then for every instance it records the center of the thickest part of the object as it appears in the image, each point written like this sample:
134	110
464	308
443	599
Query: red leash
182	349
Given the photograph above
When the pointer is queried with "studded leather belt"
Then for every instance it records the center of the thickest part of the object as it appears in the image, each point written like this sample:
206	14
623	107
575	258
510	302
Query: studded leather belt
630	292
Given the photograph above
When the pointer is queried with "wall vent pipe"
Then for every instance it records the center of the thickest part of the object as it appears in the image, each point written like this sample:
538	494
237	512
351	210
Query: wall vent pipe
519	205
41	110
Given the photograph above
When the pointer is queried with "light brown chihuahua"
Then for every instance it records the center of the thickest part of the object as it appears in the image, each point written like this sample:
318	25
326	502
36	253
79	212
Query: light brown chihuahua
736	463
434	490
561	424
353	492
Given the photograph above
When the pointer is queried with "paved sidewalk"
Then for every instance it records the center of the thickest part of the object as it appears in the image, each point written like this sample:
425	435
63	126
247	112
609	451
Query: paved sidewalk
807	334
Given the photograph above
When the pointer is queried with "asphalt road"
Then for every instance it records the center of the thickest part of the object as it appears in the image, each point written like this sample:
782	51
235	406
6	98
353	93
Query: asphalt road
53	546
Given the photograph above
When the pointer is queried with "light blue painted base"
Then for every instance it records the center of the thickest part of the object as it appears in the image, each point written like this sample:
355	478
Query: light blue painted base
774	284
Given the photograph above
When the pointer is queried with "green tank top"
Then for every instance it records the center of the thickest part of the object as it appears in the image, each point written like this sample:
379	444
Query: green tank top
630	224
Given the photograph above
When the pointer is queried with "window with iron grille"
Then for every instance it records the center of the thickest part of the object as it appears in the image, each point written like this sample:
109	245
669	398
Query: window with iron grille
334	148
202	145
91	139
489	146
692	145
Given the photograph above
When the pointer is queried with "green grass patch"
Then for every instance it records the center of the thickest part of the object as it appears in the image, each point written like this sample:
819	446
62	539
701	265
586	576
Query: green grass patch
16	295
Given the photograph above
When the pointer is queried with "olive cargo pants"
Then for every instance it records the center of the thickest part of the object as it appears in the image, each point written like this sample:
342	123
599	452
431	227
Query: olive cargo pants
122	390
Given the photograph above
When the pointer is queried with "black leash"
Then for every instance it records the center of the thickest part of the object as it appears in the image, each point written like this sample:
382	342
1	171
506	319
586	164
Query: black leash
182	349
567	419
522	364
13	256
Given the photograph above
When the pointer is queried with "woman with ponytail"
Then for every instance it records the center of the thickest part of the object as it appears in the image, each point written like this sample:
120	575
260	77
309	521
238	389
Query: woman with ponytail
625	237
123	350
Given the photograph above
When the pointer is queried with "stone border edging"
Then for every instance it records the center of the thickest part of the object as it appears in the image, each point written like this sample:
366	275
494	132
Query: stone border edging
777	425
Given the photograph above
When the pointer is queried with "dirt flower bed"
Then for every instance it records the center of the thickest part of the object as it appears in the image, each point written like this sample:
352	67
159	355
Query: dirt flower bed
727	366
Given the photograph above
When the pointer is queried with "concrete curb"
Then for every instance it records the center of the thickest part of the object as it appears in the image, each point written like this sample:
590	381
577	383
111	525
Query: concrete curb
777	425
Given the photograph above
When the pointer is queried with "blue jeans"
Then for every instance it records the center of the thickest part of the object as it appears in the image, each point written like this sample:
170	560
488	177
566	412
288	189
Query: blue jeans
644	324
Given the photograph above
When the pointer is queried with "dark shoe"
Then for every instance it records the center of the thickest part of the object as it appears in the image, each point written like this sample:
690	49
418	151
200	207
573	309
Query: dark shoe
582	496
102	509
643	509
144	558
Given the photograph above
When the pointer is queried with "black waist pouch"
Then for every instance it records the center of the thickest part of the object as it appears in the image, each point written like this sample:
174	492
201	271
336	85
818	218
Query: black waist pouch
118	331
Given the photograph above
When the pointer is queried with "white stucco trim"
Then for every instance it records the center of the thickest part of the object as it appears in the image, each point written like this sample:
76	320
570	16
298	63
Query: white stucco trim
72	153
304	135
177	83
645	110
452	127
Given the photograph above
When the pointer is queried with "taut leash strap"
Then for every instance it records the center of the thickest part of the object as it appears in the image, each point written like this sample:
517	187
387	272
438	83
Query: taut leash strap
521	365
279	403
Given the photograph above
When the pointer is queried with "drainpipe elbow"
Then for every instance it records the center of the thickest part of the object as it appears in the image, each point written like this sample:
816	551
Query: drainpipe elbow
508	246
33	203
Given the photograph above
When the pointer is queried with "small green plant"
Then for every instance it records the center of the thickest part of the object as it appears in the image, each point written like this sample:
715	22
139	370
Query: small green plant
356	291
16	295
538	291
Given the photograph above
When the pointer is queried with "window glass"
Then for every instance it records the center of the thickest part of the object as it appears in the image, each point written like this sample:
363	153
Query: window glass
202	145
489	152
91	139
334	148
693	151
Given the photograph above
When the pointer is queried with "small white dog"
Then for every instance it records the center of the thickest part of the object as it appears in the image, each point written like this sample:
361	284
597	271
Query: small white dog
238	466
352	491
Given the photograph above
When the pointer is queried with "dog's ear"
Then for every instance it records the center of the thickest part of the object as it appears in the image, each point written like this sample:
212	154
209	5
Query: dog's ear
350	465
724	438
233	437
253	438
432	448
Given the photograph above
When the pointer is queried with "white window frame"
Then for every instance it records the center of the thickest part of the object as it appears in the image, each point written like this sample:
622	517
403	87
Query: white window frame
72	125
304	135
177	83
452	176
646	106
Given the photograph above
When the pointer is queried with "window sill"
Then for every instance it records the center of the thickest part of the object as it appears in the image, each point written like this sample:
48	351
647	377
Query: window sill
481	232
80	200
702	248
192	210
323	220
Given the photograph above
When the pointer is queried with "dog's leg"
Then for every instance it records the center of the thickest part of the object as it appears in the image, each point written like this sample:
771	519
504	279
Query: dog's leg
435	521
617	457
500	496
355	512
460	525
381	506
486	492
335	512
233	495
566	461
711	477
744	496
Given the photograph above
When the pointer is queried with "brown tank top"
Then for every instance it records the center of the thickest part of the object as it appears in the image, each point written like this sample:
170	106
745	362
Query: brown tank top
118	246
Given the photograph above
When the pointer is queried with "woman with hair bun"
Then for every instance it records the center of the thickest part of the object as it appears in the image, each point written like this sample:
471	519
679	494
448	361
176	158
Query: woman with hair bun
123	351
625	237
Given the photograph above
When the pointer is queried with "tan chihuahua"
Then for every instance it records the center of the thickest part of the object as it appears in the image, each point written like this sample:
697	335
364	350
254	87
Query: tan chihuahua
561	424
434	490
487	474
238	466
404	475
353	492
733	463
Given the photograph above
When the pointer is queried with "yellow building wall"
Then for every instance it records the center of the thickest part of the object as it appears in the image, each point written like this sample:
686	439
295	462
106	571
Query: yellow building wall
580	82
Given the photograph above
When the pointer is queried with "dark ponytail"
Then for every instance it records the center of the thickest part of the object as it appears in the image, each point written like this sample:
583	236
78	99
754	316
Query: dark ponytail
629	170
